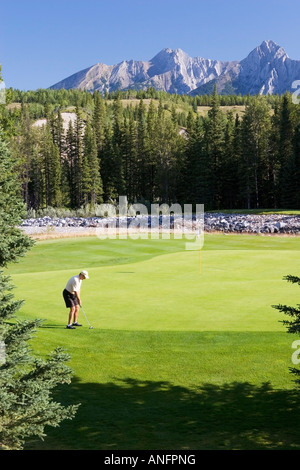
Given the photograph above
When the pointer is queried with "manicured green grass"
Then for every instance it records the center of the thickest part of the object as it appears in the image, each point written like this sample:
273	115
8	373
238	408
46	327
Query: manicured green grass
261	211
186	351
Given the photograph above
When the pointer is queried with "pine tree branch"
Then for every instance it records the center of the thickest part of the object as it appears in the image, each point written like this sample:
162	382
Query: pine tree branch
292	279
291	311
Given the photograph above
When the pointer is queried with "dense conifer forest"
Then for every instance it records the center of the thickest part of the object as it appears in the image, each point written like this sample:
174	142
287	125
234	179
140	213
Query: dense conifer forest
226	152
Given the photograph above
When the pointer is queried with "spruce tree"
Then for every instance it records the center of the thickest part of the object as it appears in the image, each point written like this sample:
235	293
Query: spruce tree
99	117
109	171
215	142
59	133
296	175
272	185
26	383
197	170
255	145
129	153
13	243
286	153
52	169
59	139
236	156
168	144
151	150
229	166
36	183
190	122
69	165
23	147
78	156
162	148
91	180
142	153
116	177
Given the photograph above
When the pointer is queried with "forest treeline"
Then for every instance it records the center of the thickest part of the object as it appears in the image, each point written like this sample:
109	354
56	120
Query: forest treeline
155	148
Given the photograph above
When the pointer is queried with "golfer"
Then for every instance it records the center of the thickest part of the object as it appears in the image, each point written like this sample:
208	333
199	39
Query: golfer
71	295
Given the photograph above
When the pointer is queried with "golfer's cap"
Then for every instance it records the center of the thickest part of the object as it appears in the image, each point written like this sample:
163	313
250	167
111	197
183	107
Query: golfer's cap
85	274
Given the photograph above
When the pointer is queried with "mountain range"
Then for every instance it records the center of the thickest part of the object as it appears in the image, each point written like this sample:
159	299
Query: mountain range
266	70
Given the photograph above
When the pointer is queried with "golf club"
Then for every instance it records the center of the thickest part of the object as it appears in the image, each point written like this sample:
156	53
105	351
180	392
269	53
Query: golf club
86	318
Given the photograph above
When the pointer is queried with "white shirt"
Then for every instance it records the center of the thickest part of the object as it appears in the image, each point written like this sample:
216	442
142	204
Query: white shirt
74	284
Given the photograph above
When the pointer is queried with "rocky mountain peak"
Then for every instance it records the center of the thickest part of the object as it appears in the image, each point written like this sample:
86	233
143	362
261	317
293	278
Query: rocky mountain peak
167	58
273	49
267	52
266	70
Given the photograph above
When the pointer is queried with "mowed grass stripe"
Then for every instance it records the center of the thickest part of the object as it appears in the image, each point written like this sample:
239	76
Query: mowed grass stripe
225	290
56	255
53	255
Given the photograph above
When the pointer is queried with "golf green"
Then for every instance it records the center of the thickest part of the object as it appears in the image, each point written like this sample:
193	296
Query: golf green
186	351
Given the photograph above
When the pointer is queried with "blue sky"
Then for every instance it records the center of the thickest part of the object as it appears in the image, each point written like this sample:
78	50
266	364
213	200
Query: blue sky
42	41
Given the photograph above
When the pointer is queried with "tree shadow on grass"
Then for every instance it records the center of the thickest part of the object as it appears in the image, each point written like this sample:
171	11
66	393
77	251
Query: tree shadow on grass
145	415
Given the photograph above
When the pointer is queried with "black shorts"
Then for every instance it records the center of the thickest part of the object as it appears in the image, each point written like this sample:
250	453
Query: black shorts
70	299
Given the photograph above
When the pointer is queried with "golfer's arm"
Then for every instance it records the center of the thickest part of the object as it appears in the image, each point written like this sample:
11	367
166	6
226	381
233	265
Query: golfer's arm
78	296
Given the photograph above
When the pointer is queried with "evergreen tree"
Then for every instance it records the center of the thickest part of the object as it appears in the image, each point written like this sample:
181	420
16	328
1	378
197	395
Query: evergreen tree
174	117
99	118
13	244
189	122
255	147
245	162
116	164
230	165
37	181
168	145
60	140
59	134
151	150
215	142
250	162
69	165
26	383
296	175
129	156
91	180
78	157
52	169
110	171
272	186
23	147
197	169
141	149
236	157
287	184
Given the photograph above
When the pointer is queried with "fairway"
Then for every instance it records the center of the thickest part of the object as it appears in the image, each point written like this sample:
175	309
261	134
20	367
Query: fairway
186	351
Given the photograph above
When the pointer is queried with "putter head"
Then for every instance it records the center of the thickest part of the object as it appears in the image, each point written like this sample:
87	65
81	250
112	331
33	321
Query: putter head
91	327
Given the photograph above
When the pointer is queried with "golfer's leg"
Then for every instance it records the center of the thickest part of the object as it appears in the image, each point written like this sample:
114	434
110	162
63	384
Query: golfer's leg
76	311
71	315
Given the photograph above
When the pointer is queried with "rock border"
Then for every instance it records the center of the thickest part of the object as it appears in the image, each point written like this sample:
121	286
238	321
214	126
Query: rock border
213	222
